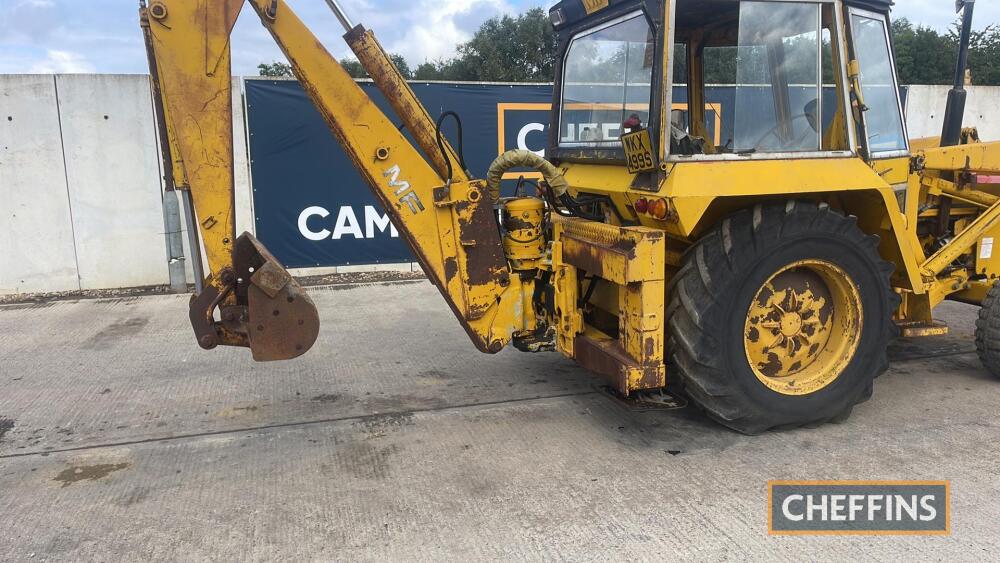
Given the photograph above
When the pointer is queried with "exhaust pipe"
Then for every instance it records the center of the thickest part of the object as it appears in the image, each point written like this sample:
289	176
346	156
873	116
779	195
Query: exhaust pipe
954	113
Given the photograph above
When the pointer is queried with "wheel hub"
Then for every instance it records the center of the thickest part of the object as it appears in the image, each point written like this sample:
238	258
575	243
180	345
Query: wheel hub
802	327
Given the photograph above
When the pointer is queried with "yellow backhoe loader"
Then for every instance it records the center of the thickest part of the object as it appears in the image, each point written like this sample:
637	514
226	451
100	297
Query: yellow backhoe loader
761	265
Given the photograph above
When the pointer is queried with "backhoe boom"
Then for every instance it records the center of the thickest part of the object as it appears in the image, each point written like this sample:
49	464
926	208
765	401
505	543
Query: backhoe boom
448	222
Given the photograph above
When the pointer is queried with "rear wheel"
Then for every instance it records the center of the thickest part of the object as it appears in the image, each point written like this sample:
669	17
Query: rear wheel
988	331
781	317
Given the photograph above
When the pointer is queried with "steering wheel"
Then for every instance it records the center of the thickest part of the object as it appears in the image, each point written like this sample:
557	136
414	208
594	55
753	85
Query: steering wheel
774	132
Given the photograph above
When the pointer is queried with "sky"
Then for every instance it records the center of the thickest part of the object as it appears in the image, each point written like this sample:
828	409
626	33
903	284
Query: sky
85	36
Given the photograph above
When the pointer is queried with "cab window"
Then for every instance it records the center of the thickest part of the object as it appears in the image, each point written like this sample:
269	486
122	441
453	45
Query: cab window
883	119
762	78
607	83
778	91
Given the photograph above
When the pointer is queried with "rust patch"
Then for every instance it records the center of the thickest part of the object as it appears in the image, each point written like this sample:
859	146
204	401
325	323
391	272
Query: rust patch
283	321
584	256
609	359
513	223
450	269
773	365
601	360
486	262
88	473
626	247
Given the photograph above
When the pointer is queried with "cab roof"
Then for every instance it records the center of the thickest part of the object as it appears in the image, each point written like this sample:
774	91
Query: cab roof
573	10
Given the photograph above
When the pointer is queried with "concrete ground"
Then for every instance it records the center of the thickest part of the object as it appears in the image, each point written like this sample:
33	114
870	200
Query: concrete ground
394	439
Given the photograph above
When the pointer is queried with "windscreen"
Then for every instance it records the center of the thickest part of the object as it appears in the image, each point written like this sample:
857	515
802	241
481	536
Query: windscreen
606	83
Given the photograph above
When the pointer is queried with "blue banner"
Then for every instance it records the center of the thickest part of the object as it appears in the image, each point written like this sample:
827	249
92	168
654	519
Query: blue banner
311	206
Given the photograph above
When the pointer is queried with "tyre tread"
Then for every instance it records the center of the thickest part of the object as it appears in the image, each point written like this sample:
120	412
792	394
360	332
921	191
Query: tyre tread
714	265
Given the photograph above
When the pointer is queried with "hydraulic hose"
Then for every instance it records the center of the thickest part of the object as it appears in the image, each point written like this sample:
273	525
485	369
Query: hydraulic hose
524	159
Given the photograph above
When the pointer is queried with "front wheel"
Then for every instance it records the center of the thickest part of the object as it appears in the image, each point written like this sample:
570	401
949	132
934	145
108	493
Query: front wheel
781	317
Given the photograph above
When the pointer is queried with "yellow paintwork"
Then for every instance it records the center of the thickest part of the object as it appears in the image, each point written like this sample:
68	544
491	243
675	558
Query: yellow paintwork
198	107
524	233
437	220
803	327
633	260
598	273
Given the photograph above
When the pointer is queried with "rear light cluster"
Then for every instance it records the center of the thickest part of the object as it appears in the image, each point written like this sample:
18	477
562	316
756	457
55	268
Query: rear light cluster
657	208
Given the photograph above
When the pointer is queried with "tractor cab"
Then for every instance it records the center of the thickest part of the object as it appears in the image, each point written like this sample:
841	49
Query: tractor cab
741	80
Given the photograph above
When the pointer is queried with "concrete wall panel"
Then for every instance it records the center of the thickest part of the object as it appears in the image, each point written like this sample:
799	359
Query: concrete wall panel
36	230
112	166
926	104
244	197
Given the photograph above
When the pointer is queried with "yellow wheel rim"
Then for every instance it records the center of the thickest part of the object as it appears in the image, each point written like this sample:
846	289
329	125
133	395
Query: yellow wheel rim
803	327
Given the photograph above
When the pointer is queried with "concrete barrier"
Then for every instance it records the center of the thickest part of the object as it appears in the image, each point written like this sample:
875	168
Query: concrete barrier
925	111
81	184
37	249
114	178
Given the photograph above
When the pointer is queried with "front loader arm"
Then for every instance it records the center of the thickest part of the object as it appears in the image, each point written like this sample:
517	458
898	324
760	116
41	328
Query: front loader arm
449	223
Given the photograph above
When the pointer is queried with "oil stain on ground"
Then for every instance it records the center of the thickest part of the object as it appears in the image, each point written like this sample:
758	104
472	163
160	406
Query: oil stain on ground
6	425
88	473
326	398
114	333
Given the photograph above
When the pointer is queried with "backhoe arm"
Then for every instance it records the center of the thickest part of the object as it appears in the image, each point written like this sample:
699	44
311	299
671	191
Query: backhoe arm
449	223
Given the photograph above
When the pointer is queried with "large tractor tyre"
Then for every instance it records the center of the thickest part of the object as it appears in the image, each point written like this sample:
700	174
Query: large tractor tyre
988	331
781	317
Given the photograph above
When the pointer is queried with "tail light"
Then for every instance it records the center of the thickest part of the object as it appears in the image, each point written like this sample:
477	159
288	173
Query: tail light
658	208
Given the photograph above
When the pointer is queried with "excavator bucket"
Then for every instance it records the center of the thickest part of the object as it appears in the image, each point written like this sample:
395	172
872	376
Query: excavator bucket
281	320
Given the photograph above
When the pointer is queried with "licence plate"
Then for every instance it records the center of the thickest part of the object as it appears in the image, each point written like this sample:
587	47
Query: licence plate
638	151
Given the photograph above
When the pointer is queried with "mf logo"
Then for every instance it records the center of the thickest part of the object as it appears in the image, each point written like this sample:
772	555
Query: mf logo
403	191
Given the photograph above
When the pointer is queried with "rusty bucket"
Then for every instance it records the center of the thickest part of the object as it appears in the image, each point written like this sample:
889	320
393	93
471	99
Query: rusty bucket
281	320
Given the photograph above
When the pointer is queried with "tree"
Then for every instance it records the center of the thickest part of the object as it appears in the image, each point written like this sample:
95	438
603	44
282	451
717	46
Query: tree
503	49
275	69
428	71
984	52
508	49
924	56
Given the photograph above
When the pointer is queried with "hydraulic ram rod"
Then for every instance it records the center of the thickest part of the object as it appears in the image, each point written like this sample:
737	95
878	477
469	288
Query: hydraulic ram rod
400	96
339	12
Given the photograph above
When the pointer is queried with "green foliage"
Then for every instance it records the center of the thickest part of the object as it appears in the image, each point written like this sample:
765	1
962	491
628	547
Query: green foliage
924	56
275	69
504	49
